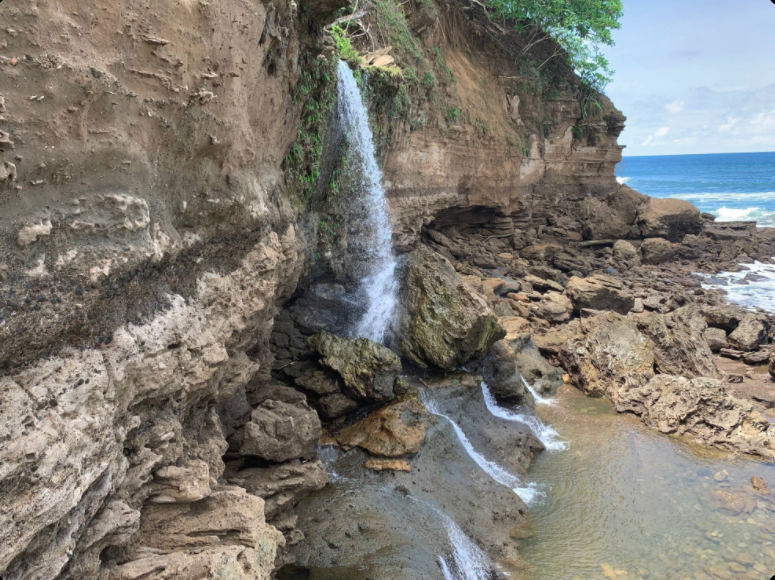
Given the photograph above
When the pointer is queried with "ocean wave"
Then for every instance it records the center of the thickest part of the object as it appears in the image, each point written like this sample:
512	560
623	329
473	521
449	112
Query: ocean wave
761	216
622	180
726	196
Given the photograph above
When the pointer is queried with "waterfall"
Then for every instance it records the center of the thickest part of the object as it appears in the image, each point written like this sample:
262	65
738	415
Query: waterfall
527	493
545	433
374	239
538	398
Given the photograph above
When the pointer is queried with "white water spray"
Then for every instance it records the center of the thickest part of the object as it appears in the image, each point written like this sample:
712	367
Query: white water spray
545	433
527	493
538	398
376	246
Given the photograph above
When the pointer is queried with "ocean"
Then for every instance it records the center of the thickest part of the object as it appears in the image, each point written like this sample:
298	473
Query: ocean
731	186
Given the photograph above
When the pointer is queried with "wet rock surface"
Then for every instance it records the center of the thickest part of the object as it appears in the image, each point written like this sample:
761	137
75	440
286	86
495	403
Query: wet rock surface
443	321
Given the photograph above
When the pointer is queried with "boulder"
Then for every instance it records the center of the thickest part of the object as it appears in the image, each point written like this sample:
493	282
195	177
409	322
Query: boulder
280	486
542	284
611	217
750	333
187	483
554	307
700	409
368	370
679	345
625	255
391	431
337	405
727	316
223	535
668	218
599	292
608	355
279	431
501	373
716	339
442	320
771	367
657	251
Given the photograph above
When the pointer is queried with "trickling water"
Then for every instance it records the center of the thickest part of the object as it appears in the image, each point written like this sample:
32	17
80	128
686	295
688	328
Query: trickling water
545	433
538	398
374	239
527	493
468	562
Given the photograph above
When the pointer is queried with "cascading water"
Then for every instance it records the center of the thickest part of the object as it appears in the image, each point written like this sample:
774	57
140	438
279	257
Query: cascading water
527	493
545	433
538	398
374	241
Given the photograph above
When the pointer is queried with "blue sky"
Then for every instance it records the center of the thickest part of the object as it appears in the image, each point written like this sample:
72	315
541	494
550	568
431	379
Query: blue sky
695	76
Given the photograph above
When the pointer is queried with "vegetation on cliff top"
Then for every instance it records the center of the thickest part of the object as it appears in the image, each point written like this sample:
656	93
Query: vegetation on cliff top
578	28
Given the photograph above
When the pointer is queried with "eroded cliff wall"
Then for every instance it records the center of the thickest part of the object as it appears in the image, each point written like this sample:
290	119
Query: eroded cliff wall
151	226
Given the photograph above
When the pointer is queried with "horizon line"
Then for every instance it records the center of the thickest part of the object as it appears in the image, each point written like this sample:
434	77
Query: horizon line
699	154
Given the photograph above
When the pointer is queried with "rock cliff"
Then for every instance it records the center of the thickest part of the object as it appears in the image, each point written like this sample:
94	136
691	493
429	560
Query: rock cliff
163	189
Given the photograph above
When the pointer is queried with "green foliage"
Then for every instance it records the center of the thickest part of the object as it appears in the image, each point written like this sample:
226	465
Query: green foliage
442	63
344	47
316	89
451	114
578	132
526	151
428	80
579	27
393	26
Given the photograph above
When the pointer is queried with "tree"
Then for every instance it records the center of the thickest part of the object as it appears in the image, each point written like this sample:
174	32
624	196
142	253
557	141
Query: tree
578	27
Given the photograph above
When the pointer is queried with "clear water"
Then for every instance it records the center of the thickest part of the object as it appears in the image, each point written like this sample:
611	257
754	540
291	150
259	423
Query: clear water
731	186
631	502
373	240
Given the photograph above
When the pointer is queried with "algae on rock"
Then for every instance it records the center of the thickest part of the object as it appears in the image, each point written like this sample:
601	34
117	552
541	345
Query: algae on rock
442	320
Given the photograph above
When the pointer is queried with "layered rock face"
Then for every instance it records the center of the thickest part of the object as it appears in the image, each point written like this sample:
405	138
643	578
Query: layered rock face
146	243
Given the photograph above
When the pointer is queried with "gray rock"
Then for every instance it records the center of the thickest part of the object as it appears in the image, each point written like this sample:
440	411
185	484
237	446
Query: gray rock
442	320
279	431
337	405
368	370
750	333
716	339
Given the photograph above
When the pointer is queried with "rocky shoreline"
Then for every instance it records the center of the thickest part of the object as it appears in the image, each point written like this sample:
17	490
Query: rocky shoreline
176	366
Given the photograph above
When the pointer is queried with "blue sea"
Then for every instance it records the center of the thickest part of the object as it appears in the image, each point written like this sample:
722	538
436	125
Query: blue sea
731	186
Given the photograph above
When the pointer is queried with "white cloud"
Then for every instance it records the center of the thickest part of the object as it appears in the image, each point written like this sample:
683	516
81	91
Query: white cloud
710	121
726	127
675	107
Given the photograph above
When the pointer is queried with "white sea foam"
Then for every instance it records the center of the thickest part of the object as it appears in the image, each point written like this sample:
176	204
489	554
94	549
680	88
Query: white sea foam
527	492
545	433
755	293
623	180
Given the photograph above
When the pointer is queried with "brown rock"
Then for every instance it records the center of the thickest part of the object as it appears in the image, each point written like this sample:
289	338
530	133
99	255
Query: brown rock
700	409
625	255
610	355
679	347
599	292
656	251
392	431
388	465
757	482
668	218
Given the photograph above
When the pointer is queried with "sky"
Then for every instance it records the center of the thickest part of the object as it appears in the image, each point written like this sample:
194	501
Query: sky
695	76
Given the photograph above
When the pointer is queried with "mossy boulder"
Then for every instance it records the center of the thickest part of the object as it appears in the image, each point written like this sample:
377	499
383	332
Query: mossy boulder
443	321
368	369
